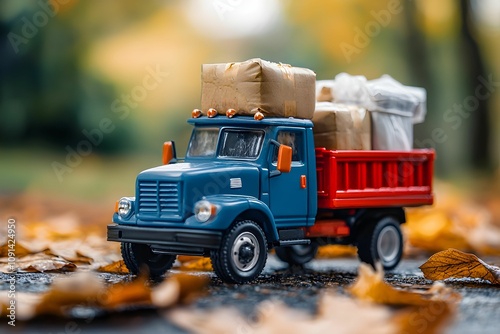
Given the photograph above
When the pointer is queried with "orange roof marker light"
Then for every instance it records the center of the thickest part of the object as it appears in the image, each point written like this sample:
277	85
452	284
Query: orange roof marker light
196	113
258	116
230	112
211	112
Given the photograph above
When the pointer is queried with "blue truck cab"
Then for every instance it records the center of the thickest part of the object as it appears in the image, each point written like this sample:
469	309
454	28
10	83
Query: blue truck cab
244	187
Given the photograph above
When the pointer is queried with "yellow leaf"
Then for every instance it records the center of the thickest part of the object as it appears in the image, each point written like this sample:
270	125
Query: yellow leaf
370	286
454	263
190	285
128	293
429	319
18	249
41	263
82	289
117	267
195	263
179	288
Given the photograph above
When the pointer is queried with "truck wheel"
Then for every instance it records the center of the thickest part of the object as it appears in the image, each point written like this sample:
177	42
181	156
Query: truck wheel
297	254
139	257
242	254
381	243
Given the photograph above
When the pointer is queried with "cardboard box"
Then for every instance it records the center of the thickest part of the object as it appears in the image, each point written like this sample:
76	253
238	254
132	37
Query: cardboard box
276	90
324	91
341	127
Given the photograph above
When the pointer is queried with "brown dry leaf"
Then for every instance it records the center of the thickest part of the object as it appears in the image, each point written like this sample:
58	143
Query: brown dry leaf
25	304
82	289
61	227
19	249
333	251
195	263
370	286
190	286
179	288
454	263
125	294
86	289
428	311
376	318
64	293
117	267
70	255
336	314
431	318
216	321
41	263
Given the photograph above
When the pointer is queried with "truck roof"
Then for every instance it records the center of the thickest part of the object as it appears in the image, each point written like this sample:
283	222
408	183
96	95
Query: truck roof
249	120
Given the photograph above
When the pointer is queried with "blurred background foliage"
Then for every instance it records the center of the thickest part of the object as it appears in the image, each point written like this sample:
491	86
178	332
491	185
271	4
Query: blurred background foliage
68	64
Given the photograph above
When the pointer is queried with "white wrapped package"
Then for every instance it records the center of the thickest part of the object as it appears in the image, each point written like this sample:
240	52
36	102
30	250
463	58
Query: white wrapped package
394	107
391	132
390	96
351	89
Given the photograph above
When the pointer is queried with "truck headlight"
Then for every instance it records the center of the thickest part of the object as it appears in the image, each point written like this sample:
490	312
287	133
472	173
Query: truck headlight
204	210
124	207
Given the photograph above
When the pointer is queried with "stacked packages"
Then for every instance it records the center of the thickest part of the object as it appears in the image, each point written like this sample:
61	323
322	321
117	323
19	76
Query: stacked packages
349	112
393	109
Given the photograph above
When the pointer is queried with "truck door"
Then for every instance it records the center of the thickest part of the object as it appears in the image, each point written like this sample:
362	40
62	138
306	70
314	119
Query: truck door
288	191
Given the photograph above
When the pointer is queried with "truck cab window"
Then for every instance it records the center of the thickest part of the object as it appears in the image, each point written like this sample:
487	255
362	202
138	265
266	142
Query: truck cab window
293	139
203	142
244	144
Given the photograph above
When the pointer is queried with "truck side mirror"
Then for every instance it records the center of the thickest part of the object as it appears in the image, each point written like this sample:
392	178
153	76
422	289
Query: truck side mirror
168	152
284	159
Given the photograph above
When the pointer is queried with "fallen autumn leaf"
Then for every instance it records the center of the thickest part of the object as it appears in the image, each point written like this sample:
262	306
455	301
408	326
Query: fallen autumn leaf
453	263
117	267
370	286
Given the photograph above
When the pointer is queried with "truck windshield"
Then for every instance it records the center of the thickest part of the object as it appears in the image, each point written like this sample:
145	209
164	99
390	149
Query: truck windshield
244	144
203	142
235	143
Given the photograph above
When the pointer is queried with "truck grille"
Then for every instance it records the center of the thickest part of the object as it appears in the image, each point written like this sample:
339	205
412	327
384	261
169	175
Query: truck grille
158	198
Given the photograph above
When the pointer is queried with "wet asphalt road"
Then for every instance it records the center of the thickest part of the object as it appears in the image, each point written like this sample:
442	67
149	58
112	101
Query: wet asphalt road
479	310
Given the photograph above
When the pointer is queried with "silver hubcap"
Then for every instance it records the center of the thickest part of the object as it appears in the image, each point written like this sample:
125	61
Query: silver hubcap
245	251
388	244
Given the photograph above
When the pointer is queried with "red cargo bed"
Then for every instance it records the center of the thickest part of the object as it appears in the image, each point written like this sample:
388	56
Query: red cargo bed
363	179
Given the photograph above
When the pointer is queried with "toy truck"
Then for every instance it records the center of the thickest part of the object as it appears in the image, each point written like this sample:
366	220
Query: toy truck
248	185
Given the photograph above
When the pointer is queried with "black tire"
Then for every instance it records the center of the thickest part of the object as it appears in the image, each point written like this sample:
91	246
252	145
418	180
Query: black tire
242	254
382	242
140	257
297	254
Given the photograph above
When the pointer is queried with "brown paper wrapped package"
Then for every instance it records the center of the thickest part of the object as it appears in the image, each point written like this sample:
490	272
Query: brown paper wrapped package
276	90
341	127
325	95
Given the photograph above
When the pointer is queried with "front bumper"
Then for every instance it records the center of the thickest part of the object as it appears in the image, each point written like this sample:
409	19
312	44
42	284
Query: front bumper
167	240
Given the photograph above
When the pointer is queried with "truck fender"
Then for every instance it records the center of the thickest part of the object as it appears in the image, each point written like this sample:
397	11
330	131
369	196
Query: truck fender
235	208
